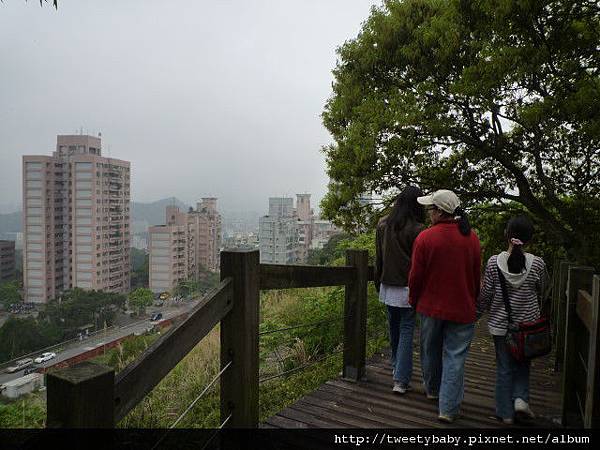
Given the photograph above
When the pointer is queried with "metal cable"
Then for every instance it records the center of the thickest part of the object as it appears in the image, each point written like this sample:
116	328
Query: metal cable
201	394
216	432
208	386
296	369
225	422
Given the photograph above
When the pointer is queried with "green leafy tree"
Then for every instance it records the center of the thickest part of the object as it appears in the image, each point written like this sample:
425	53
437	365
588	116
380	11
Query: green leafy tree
496	100
140	299
21	336
140	262
9	293
78	307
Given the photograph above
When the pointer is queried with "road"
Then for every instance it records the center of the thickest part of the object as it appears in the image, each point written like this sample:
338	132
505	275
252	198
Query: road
75	348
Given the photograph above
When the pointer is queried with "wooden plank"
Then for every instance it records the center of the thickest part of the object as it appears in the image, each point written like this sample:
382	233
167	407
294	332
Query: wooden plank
239	340
277	276
578	278
584	309
135	381
591	417
309	420
355	316
401	411
81	397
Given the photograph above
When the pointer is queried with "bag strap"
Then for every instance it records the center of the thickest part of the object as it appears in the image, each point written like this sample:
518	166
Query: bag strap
504	294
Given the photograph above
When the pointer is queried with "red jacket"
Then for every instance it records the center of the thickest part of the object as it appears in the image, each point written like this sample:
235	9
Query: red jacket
445	273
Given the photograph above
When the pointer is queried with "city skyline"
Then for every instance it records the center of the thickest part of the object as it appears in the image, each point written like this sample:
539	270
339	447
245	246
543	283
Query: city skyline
224	100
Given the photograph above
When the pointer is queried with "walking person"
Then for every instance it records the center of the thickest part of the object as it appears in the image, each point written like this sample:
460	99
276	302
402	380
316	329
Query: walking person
395	235
443	287
525	277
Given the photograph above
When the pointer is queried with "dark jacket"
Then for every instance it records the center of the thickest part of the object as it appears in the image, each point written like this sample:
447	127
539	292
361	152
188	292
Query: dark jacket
393	252
445	273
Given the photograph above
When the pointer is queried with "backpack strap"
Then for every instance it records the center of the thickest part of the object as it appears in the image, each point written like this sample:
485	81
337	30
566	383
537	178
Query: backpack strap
504	294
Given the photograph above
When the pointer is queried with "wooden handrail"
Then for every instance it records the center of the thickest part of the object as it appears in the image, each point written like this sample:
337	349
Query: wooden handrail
134	382
584	309
580	392
276	276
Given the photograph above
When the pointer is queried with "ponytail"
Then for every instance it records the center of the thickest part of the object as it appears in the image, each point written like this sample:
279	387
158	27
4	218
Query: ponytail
519	231
516	259
463	221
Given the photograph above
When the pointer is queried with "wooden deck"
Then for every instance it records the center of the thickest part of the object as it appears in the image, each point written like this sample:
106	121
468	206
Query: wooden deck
371	403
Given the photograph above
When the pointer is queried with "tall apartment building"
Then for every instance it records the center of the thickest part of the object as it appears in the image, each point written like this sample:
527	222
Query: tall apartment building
172	256
287	234
279	233
306	221
207	225
7	261
76	220
186	244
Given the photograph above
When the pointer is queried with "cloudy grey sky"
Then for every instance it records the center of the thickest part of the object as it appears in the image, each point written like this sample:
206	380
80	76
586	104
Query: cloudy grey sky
217	97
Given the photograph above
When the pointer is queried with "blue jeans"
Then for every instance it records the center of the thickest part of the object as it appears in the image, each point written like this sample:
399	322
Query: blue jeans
402	326
444	348
512	380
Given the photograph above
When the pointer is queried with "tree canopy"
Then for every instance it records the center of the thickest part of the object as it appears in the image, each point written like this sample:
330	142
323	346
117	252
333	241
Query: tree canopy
140	298
9	293
494	99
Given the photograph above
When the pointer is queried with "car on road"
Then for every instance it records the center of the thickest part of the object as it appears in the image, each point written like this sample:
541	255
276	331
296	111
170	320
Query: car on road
156	317
46	356
29	370
20	365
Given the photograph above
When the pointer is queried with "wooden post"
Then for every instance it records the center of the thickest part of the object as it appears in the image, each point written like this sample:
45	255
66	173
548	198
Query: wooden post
81	396
239	340
592	398
561	310
355	317
578	278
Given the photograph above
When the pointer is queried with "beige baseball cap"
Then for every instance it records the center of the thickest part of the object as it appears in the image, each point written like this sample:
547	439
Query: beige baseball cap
444	199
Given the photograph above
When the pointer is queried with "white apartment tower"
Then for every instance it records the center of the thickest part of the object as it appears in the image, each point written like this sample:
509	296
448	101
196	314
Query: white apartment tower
76	220
279	233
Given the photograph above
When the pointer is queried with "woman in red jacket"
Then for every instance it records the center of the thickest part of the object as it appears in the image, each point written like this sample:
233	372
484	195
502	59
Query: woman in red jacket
443	287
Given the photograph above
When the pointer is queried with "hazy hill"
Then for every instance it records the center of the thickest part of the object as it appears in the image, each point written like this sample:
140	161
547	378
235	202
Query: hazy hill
11	223
154	213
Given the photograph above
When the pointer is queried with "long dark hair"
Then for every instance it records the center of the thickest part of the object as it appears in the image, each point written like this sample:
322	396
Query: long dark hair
521	228
406	207
464	226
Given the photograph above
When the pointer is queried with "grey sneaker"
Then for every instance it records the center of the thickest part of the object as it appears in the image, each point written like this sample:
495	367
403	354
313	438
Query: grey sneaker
446	418
432	396
522	409
400	388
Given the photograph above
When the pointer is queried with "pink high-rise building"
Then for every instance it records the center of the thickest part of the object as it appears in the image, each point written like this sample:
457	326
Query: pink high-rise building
75	220
188	242
172	257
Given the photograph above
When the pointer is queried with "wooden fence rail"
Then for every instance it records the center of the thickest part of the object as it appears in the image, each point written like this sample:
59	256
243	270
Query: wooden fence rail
89	395
581	351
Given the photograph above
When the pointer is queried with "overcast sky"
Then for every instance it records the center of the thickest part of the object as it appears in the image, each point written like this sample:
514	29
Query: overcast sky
219	98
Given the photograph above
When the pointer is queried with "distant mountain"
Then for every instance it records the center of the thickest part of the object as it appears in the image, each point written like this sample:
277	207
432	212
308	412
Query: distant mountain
143	215
147	214
11	223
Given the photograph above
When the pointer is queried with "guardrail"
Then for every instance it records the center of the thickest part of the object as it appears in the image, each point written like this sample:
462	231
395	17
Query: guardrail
581	353
89	395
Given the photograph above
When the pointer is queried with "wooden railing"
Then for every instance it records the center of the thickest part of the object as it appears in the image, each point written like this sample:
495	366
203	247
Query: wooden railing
89	395
578	338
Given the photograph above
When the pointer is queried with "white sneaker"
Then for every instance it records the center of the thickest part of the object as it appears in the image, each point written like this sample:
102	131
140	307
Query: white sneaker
522	409
400	388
